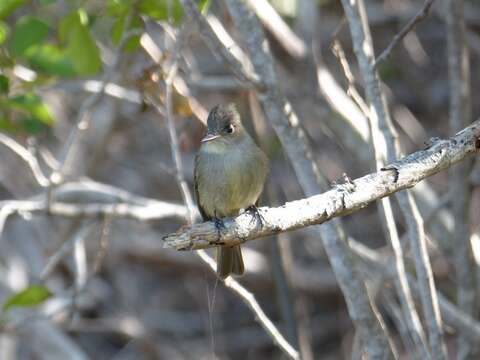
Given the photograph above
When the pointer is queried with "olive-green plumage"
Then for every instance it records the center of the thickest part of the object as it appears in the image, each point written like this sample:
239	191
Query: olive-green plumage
230	170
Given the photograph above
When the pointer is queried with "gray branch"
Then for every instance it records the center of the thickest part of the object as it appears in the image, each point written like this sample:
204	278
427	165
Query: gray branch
380	146
376	262
460	116
422	14
341	200
217	47
384	138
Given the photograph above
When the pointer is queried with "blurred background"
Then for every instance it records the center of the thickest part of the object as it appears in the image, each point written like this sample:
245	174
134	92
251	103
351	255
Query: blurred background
86	87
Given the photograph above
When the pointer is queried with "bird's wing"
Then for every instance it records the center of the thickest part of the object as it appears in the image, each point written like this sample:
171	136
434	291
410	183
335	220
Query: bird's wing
195	185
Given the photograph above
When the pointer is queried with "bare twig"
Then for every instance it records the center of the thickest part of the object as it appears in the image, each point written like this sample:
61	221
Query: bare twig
218	49
353	133
28	157
351	90
66	247
95	86
103	244
154	211
410	315
279	28
262	318
187	196
385	143
422	14
351	126
460	116
92	199
453	315
342	200
84	113
390	303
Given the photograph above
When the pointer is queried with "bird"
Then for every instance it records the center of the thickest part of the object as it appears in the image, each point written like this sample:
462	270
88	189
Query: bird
229	175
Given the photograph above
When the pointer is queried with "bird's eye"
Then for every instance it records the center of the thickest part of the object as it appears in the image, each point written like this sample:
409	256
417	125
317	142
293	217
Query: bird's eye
230	129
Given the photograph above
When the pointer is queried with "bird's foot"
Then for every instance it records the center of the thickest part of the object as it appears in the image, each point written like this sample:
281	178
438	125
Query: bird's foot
219	225
252	209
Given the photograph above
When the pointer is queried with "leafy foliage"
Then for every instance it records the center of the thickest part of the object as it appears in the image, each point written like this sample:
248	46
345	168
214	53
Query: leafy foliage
9	6
28	31
32	115
81	48
31	296
4	84
63	46
3	32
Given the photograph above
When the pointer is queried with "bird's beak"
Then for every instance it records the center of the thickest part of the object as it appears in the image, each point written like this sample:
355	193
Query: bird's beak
210	137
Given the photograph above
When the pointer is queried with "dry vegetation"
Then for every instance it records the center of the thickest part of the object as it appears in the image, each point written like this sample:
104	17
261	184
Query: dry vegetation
86	201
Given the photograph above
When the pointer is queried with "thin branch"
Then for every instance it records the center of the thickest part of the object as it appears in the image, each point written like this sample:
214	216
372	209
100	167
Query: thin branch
342	200
351	90
84	113
422	14
28	157
261	317
186	194
66	247
378	145
388	300
454	316
460	115
353	132
410	314
100	203
217	47
385	142
411	317
274	23
351	126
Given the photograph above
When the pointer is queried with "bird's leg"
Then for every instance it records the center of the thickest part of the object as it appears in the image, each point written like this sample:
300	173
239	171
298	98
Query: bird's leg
219	225
253	209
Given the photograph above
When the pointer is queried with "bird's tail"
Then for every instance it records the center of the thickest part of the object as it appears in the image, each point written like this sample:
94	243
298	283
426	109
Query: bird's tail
229	261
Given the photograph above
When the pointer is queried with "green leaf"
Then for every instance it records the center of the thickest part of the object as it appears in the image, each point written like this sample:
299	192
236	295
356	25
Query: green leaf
32	126
3	32
118	7
32	104
28	31
31	296
132	44
50	60
166	10
6	125
47	2
69	23
204	5
9	6
159	9
6	60
118	29
4	84
81	48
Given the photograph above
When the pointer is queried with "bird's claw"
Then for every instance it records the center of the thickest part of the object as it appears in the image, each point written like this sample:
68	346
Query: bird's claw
219	225
252	209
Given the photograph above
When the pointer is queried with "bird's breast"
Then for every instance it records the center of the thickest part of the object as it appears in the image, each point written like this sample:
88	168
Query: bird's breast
230	180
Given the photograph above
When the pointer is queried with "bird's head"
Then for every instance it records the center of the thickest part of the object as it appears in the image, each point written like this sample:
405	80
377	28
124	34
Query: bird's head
224	125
